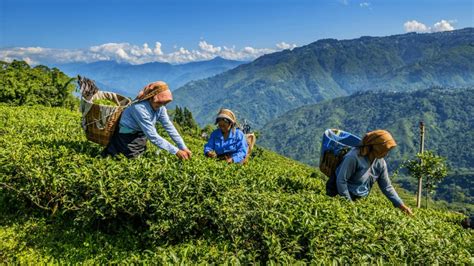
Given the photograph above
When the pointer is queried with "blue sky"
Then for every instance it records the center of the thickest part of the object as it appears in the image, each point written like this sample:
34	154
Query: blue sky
185	30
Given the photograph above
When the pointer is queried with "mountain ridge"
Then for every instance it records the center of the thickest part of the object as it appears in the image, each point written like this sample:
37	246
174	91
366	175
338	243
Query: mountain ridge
128	79
275	83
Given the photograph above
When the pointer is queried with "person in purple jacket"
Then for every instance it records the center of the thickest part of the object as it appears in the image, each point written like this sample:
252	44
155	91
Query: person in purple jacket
227	142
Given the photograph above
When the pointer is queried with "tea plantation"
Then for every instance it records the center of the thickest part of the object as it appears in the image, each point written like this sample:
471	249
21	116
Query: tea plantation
61	203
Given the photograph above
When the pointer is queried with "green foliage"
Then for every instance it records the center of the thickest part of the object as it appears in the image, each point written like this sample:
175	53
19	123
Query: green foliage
62	203
428	166
184	119
276	83
22	85
207	130
106	102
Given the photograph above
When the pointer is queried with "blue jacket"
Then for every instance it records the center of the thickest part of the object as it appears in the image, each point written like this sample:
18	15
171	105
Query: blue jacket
235	145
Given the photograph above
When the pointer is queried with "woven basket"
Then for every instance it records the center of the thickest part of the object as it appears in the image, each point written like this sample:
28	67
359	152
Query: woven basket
335	144
100	121
251	139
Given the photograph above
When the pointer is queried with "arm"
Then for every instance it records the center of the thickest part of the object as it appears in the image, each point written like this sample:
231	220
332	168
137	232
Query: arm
386	186
242	147
345	170
210	145
169	127
143	118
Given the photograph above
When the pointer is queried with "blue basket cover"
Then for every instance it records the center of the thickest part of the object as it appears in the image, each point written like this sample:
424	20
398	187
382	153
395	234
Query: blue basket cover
335	140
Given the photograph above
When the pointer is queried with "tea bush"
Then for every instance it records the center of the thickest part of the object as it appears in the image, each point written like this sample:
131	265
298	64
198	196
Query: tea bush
61	202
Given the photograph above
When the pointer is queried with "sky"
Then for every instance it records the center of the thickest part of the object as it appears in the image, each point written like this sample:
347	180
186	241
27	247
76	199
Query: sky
180	31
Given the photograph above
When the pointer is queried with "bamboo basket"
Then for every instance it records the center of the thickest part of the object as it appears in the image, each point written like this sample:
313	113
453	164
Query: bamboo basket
100	121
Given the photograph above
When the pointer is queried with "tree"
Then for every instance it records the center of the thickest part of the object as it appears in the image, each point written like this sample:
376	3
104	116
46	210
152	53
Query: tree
189	121
178	116
22	85
185	121
429	166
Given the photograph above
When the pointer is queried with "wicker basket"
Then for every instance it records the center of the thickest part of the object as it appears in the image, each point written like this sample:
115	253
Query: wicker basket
100	121
251	139
335	144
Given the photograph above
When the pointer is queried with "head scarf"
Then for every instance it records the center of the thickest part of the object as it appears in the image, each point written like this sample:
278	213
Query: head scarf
377	143
227	114
152	90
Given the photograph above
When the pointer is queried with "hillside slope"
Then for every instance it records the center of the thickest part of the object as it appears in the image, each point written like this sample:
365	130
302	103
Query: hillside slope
60	203
276	83
446	113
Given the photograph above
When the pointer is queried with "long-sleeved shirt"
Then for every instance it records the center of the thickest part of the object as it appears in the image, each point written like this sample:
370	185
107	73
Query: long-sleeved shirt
235	145
356	176
142	117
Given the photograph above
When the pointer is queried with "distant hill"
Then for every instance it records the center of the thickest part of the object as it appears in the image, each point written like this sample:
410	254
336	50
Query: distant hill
128	79
276	83
447	114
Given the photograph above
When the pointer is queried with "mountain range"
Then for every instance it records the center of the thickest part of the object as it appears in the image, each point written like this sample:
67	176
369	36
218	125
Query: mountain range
446	113
276	83
128	79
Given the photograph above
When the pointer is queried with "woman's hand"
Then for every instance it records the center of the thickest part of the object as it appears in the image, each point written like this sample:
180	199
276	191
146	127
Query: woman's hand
211	154
229	159
406	209
183	155
188	151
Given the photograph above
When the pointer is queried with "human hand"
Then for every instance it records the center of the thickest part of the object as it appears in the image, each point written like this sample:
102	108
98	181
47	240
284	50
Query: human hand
188	151
406	209
211	154
182	155
229	159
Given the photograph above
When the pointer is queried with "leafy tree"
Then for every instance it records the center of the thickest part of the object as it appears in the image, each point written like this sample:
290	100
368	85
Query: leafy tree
21	84
185	121
189	121
432	168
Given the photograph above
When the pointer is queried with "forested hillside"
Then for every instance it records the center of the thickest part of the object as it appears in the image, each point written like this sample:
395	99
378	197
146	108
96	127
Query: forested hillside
276	83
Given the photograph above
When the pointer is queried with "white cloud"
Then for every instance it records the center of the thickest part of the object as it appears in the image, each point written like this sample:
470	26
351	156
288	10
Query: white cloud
136	54
415	26
364	4
208	47
284	45
157	49
443	25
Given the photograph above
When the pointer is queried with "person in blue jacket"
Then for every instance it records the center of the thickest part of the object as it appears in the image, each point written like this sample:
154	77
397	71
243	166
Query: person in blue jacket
227	142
